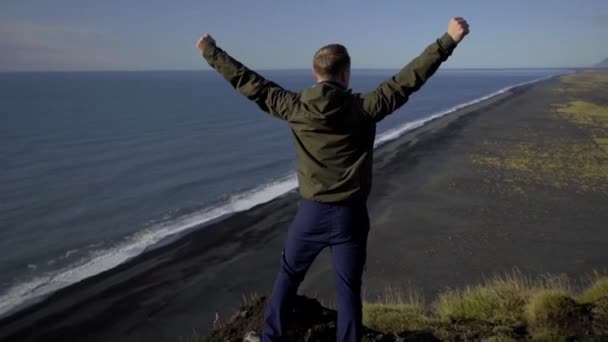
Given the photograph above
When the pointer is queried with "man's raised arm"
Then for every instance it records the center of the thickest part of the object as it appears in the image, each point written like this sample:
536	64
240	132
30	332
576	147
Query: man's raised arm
394	92
269	96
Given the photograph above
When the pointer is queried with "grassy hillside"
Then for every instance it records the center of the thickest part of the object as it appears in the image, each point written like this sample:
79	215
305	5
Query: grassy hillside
508	308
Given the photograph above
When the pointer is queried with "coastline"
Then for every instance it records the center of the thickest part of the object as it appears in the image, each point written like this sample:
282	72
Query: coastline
26	293
181	285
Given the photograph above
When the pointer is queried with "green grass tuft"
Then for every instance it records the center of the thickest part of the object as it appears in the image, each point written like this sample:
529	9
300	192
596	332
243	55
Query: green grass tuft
395	317
554	311
597	291
499	300
396	310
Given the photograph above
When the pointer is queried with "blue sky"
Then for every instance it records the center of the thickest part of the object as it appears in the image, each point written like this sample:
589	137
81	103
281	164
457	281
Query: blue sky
143	35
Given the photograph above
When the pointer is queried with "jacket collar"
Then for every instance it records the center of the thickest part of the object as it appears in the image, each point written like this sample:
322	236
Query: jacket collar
334	84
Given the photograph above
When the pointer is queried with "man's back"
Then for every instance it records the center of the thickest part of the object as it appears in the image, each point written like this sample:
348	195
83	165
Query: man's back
333	128
334	144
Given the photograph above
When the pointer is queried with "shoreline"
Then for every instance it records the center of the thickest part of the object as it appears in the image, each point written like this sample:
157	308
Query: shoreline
219	213
200	254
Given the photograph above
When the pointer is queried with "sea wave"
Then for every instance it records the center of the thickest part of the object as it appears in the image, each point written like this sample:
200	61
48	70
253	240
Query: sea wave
26	293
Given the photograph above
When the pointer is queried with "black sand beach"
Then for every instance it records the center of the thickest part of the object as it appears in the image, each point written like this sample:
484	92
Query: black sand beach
517	182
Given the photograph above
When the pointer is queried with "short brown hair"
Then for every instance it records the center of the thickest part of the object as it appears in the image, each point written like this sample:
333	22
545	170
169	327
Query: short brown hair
331	60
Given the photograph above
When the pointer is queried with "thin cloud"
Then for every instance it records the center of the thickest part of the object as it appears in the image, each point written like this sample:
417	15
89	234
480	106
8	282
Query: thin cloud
27	47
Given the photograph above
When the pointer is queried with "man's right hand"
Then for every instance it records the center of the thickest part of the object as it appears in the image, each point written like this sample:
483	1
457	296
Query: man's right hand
458	29
204	42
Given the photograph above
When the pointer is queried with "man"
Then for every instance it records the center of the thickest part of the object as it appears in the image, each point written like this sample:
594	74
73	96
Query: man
334	131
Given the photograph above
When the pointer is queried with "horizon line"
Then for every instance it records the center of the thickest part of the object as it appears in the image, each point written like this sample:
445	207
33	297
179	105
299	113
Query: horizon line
278	69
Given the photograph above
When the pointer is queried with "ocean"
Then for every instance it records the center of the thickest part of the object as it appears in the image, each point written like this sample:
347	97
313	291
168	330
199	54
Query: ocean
98	167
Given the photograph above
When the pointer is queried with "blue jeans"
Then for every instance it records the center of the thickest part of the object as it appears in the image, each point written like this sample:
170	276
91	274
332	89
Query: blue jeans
341	227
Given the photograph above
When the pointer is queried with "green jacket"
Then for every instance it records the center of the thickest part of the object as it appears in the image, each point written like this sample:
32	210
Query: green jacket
333	128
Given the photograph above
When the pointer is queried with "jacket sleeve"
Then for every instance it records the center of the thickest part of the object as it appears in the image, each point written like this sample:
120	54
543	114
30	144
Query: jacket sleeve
394	92
269	96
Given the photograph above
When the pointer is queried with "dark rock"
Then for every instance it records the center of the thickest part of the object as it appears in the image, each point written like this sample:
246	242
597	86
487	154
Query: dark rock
600	318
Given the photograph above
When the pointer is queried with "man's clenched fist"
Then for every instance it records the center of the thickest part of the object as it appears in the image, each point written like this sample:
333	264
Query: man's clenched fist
204	42
458	28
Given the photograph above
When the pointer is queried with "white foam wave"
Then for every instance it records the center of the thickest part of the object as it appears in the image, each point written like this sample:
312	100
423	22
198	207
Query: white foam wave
27	293
31	291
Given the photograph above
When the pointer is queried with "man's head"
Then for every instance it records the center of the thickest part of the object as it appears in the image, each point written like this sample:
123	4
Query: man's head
332	63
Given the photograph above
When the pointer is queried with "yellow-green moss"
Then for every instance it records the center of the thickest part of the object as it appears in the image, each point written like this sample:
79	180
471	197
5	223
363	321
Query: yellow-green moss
584	82
556	164
602	143
585	113
580	164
